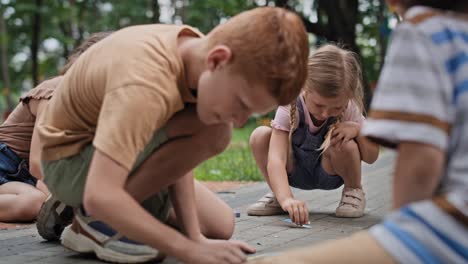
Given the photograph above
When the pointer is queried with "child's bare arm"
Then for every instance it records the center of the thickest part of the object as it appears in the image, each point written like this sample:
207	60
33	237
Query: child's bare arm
183	198
276	167
278	176
105	199
418	172
369	150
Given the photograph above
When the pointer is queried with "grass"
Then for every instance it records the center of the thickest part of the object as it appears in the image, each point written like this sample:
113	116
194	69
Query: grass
236	163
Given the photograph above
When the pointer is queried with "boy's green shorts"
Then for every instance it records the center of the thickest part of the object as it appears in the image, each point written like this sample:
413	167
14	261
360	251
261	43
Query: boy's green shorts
66	178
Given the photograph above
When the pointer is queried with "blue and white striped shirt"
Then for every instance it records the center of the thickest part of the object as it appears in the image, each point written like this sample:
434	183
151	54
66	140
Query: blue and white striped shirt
422	96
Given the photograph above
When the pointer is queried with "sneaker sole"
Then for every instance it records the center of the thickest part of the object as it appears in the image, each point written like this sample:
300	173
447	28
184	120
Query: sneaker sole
82	244
263	212
349	215
44	217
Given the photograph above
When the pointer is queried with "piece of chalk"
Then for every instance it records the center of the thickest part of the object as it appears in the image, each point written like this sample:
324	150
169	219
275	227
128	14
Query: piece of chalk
292	224
237	214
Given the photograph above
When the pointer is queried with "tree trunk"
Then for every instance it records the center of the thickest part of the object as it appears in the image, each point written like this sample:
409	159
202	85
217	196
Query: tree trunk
5	70
281	3
155	9
35	42
383	32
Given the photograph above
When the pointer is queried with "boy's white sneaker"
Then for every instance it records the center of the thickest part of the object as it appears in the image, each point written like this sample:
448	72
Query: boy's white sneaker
86	235
352	204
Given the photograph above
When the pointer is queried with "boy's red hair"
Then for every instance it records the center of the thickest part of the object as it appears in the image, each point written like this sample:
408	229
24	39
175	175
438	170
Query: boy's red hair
269	45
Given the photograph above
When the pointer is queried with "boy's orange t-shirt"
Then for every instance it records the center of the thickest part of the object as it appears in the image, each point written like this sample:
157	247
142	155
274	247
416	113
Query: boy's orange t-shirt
118	94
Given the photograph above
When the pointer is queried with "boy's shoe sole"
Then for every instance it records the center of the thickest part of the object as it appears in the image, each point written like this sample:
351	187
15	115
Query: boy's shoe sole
53	217
78	239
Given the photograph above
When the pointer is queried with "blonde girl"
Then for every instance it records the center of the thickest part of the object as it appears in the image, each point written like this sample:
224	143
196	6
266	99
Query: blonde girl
314	143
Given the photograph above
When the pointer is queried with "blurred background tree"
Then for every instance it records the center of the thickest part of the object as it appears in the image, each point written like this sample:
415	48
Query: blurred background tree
36	36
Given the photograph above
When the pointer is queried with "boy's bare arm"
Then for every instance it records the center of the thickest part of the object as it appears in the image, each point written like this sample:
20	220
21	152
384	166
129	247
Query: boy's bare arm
105	199
418	171
183	198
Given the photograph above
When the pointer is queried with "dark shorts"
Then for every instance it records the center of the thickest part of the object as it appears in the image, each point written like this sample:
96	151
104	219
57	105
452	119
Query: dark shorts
66	178
14	168
314	178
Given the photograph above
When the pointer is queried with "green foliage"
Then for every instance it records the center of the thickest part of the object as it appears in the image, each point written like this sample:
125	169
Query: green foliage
65	23
68	22
372	36
207	14
234	164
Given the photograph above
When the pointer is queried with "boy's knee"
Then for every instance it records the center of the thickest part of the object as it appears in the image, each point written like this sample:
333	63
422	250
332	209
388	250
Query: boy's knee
225	233
223	230
259	136
216	138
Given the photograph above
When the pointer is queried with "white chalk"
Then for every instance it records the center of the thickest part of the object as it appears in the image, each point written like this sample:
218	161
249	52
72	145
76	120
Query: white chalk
292	224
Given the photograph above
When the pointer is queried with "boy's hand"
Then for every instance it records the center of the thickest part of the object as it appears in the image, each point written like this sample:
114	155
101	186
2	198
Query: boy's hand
212	251
297	211
345	131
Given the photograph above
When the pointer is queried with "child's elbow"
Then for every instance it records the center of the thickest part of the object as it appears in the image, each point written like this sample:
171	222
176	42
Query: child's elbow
93	203
372	159
35	169
372	156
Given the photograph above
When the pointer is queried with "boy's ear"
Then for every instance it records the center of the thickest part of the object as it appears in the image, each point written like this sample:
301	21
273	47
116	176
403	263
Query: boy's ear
218	56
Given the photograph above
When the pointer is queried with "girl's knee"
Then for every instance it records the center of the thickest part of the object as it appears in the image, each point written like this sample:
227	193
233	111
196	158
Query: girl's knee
350	147
347	148
260	136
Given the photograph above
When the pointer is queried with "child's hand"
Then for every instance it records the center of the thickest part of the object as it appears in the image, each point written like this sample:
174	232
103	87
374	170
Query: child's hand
344	131
218	251
297	211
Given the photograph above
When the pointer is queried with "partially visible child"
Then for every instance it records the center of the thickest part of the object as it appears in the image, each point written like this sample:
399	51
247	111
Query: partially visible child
140	110
331	103
21	190
420	108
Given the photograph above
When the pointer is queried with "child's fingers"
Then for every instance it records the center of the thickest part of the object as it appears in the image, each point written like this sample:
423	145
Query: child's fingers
291	213
245	247
334	141
235	255
340	144
304	215
297	215
335	132
337	139
345	140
